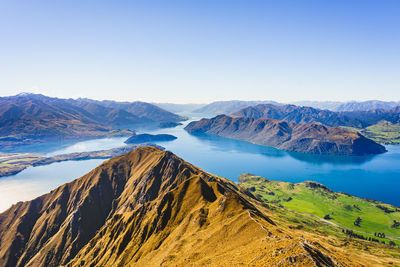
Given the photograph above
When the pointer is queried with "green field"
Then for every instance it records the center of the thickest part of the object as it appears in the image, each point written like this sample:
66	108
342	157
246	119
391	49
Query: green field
383	132
338	208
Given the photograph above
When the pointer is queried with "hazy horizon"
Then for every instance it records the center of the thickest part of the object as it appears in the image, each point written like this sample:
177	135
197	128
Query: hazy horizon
200	52
201	103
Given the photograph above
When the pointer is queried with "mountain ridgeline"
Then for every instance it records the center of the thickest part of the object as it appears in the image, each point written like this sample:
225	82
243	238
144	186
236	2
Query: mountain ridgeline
302	114
31	118
297	114
227	107
349	106
146	111
151	208
312	138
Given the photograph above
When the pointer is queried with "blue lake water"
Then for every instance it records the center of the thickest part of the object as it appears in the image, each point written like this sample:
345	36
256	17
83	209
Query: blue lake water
376	177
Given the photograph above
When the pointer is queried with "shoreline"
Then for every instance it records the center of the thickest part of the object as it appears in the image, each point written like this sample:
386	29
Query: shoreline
14	163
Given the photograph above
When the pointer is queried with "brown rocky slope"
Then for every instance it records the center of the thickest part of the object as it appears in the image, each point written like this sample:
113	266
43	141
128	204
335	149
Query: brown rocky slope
151	208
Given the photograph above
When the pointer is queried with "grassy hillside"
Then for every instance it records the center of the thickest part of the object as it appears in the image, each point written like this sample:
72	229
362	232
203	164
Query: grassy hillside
338	208
383	132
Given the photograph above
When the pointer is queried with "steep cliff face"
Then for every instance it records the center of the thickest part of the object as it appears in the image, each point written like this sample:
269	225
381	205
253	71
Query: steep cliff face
149	208
307	138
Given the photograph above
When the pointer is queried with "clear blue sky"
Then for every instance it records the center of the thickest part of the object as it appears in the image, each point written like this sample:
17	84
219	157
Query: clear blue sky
200	51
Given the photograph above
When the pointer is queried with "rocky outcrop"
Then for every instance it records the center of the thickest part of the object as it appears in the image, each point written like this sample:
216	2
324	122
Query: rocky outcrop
307	138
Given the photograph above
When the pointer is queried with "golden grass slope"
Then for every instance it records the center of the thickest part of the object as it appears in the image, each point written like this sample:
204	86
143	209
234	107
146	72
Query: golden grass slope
151	208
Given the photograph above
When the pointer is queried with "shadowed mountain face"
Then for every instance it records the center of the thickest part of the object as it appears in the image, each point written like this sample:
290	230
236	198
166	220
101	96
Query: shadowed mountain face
306	137
31	118
296	114
149	207
147	111
374	116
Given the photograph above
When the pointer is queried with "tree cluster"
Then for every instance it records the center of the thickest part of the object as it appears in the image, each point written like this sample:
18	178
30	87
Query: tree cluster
385	209
353	234
357	221
381	235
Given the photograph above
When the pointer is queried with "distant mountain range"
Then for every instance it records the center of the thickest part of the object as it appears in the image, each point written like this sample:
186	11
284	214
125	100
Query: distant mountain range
297	114
304	130
145	112
31	118
349	106
178	108
301	114
228	107
374	116
312	138
151	208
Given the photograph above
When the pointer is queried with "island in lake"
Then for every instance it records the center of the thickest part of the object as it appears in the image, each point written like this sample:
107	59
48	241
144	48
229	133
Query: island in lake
312	138
170	124
142	138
